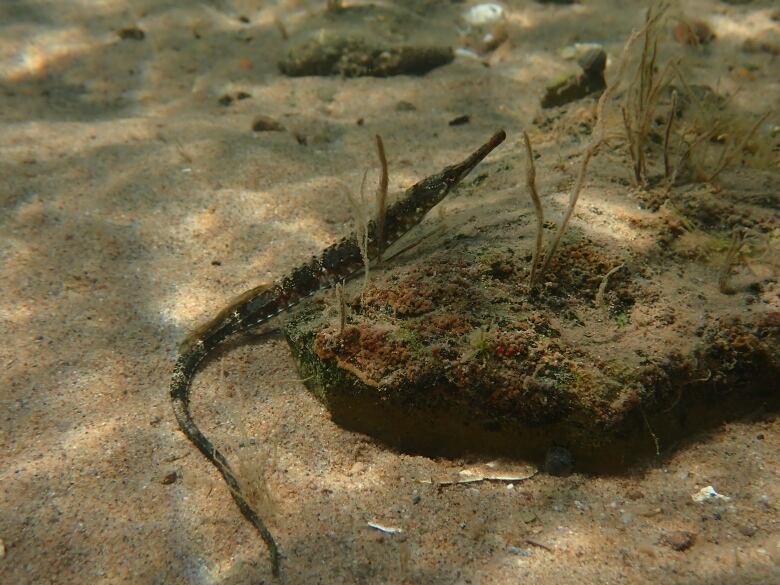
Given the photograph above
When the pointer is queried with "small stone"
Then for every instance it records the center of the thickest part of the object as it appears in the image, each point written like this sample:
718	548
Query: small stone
748	530
521	552
558	462
460	120
563	90
404	106
225	100
593	62
170	478
131	33
265	124
678	540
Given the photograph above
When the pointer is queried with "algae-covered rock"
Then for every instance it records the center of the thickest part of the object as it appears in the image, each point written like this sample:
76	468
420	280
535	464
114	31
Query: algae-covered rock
451	353
349	56
570	88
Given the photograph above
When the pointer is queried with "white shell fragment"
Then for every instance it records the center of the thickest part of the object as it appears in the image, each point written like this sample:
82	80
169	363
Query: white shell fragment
708	494
385	529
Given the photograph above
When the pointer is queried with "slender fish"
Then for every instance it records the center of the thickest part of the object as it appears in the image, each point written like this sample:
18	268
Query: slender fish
338	262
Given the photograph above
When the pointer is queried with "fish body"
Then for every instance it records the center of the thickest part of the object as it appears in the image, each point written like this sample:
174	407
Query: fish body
259	305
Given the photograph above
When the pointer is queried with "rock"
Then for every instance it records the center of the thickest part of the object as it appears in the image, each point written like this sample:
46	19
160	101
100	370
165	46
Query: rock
357	57
747	530
263	123
574	87
678	540
170	478
131	33
521	552
460	120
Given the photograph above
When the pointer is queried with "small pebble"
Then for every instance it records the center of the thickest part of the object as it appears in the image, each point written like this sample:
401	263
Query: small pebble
521	552
678	540
265	124
748	530
170	478
460	120
131	33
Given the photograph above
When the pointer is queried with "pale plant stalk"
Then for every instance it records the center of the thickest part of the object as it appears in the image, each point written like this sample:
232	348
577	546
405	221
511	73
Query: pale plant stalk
596	139
530	181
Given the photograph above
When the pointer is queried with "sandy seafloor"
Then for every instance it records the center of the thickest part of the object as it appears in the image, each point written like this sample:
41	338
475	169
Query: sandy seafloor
134	206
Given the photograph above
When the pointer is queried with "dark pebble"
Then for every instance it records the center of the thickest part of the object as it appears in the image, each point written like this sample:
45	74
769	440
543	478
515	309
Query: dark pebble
265	124
170	478
460	120
225	100
131	33
748	530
